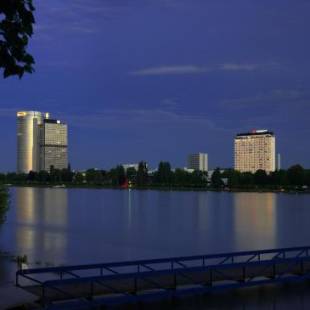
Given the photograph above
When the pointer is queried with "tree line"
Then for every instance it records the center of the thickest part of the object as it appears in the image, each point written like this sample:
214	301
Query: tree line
292	178
296	177
4	200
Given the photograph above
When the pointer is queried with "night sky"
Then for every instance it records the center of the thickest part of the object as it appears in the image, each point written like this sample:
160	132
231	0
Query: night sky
159	79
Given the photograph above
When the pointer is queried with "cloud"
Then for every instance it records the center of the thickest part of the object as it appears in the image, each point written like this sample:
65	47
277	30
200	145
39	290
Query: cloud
170	70
74	17
198	69
141	118
279	97
239	67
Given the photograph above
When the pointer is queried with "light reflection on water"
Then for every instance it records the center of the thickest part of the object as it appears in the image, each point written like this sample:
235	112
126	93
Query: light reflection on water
255	213
73	226
41	222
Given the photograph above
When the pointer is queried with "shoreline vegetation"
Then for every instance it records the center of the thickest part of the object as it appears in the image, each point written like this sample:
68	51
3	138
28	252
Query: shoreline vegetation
296	179
177	189
4	203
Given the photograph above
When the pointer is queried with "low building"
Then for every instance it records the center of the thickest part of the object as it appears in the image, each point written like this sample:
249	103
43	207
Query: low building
134	166
198	161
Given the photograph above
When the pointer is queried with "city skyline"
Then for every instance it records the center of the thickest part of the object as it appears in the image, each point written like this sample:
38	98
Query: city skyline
199	76
42	142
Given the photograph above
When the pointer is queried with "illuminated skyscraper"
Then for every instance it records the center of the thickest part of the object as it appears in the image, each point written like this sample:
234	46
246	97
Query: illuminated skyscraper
41	142
28	140
198	161
255	151
53	145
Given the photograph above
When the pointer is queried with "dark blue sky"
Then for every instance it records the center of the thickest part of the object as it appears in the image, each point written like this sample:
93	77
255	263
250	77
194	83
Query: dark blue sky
158	79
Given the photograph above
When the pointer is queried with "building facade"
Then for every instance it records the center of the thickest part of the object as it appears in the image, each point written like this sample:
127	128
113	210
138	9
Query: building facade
198	161
255	151
127	166
28	150
37	138
53	145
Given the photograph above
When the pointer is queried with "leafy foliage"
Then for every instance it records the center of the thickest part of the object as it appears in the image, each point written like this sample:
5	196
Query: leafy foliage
216	179
295	178
142	174
164	174
4	197
16	27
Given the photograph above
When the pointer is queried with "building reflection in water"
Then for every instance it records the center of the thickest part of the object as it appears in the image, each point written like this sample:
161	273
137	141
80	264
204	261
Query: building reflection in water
255	220
42	218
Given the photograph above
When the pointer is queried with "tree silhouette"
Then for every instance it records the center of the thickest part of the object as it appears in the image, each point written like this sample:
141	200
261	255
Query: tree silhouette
142	174
16	27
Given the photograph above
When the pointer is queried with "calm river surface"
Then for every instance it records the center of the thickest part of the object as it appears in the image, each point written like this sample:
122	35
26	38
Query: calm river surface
74	226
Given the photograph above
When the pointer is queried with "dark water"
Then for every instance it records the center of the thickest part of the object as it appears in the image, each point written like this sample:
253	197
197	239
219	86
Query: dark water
70	226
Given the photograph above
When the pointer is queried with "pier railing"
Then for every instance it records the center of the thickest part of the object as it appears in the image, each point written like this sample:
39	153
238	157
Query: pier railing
144	279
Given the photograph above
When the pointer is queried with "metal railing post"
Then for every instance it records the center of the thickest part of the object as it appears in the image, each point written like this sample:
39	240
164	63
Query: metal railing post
91	290
211	278
175	280
136	285
43	297
16	279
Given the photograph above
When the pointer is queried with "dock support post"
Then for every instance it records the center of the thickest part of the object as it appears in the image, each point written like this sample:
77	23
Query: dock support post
135	286
211	277
16	279
175	281
91	295
43	297
243	273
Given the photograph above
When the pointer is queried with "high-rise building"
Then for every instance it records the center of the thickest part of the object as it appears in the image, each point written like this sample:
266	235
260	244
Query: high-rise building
198	161
255	151
53	145
28	151
37	141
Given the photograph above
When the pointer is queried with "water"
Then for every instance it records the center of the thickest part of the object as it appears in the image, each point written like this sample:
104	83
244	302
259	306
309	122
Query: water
73	226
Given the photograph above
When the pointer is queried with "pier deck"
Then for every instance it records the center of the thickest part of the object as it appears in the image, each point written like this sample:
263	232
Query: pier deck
86	286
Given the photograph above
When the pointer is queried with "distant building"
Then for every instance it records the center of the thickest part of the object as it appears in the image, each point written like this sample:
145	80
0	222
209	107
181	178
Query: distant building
134	166
188	170
41	142
255	151
53	145
198	161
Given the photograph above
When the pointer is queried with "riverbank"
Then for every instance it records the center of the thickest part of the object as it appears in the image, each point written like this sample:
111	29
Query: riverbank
13	297
4	201
167	188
